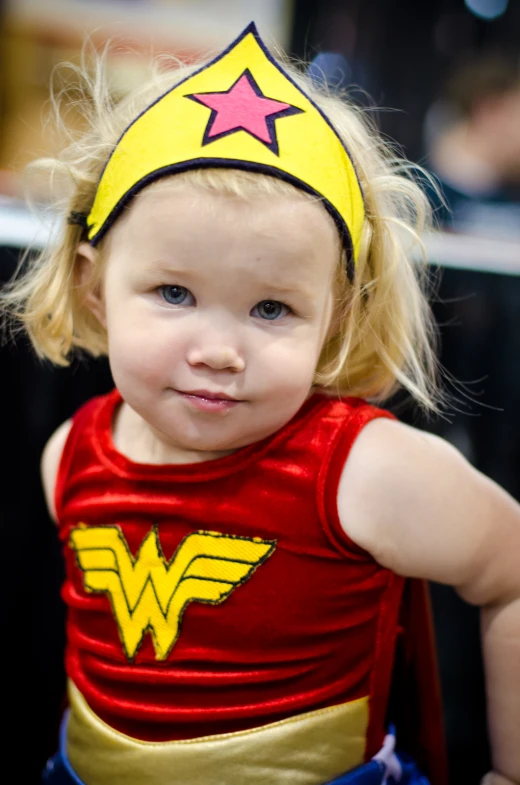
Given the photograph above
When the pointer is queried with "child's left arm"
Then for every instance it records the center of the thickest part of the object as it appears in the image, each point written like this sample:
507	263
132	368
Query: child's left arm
413	502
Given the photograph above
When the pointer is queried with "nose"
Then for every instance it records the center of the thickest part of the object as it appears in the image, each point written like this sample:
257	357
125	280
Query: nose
217	356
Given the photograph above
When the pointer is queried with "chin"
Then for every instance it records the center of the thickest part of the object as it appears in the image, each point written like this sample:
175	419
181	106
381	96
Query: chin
199	440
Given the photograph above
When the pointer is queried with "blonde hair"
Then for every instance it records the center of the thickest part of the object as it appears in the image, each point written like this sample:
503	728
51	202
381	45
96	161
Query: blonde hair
383	332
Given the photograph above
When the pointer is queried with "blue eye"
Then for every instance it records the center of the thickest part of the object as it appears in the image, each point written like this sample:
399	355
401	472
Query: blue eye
270	310
176	295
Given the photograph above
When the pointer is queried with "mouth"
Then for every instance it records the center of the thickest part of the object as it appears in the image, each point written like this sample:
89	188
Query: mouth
210	396
205	400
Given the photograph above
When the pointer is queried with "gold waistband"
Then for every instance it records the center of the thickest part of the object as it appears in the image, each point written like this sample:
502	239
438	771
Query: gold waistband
308	749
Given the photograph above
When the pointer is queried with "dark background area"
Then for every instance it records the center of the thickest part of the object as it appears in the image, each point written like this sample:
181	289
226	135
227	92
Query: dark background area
399	52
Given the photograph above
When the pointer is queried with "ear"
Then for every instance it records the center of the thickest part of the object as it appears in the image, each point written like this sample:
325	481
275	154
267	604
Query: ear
87	266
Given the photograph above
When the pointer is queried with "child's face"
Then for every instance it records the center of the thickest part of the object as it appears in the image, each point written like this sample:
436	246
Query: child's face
216	310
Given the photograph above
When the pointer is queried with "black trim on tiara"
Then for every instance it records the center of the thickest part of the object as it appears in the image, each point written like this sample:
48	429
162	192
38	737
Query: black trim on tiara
227	163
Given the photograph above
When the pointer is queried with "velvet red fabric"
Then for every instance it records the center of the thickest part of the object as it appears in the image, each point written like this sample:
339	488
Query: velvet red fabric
314	625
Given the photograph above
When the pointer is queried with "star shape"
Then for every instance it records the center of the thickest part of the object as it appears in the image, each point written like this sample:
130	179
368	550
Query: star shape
243	108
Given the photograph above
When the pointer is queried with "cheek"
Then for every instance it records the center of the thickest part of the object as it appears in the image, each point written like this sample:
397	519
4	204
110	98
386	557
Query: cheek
291	364
302	359
141	348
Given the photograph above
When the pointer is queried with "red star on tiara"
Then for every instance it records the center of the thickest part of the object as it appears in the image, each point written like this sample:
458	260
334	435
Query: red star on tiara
243	108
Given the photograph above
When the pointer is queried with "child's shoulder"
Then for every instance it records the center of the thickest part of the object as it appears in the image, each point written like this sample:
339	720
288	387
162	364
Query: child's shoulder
392	467
55	446
416	504
50	462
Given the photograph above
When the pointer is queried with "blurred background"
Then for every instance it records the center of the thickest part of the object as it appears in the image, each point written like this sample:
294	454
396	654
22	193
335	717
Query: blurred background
441	78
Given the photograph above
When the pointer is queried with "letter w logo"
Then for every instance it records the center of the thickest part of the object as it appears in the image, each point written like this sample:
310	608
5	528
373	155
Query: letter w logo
149	593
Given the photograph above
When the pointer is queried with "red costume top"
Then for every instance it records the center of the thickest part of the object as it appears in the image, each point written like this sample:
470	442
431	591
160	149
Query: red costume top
217	596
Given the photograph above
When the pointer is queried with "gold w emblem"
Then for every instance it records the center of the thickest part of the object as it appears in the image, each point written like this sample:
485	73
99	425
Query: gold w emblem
149	593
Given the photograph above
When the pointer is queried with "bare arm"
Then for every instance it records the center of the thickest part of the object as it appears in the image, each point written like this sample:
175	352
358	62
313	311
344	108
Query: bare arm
50	462
421	510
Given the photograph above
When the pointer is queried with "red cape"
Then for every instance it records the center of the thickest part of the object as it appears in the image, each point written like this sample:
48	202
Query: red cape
416	703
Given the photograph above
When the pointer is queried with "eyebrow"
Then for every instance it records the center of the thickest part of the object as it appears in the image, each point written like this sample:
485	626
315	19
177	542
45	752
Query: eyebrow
159	267
297	288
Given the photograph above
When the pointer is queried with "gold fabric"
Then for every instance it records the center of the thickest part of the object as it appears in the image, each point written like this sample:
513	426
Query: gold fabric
309	749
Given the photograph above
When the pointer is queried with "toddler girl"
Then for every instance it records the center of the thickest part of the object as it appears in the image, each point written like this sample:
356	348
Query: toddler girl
238	522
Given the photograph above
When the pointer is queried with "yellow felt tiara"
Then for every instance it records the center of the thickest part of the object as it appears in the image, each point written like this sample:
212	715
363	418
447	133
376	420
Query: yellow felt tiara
240	111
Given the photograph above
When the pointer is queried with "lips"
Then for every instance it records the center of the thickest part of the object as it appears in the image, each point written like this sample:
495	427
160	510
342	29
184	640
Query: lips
210	396
209	401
